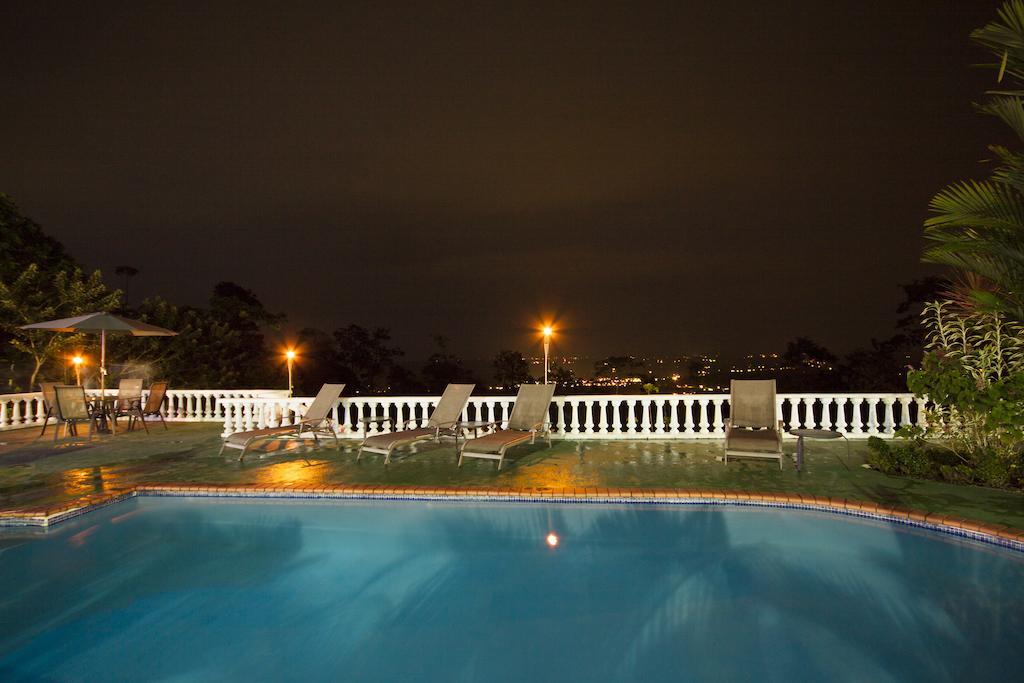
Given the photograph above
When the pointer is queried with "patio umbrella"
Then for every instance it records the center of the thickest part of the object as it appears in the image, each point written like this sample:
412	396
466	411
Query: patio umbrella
102	323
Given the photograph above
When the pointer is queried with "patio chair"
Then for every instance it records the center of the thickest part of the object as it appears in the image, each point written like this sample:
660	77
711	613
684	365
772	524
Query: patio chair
72	408
49	404
128	404
317	420
445	419
153	407
529	418
752	430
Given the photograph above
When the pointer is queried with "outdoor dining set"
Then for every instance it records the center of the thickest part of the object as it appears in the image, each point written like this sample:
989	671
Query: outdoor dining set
69	406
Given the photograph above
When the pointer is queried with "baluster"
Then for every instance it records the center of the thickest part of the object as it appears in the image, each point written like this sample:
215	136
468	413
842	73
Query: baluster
4	418
602	416
719	427
645	416
631	416
873	415
889	421
588	408
701	411
657	415
616	416
687	423
673	417
16	419
507	413
572	421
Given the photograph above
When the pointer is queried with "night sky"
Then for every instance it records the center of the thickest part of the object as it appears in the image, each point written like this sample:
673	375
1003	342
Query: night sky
671	178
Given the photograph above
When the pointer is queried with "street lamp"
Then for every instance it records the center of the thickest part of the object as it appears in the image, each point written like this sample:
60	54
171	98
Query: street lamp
290	357
547	331
77	362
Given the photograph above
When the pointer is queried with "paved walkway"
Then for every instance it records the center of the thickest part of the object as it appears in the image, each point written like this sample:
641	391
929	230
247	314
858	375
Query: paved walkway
36	472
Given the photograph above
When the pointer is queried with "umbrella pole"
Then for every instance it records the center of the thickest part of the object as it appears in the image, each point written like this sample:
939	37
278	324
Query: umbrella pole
103	362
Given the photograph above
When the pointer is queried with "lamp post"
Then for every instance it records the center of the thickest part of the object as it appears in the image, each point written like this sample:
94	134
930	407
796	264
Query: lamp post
547	332
290	357
77	362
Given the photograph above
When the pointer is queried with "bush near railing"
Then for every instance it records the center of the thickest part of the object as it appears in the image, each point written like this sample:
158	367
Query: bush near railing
974	432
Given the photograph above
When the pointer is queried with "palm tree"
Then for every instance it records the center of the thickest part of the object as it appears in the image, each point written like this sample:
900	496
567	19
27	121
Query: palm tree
977	227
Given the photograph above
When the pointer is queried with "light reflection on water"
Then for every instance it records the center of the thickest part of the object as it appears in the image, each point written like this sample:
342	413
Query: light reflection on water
299	472
88	480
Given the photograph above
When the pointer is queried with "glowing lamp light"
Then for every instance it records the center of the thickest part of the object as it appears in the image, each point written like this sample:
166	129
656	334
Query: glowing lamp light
547	330
552	539
289	355
77	360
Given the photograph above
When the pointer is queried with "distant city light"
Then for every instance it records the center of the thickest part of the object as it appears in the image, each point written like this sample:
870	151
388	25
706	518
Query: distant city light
552	539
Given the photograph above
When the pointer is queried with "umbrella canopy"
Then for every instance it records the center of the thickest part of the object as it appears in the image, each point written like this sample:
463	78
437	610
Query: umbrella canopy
102	323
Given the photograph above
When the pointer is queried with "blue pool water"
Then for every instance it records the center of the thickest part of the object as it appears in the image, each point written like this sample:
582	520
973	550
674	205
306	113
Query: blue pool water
220	590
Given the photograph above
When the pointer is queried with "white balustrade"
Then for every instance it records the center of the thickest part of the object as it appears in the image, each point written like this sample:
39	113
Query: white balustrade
662	416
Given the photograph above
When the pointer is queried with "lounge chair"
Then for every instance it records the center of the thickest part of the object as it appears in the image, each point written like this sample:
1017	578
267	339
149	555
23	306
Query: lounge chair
49	404
154	407
752	430
72	408
529	418
317	420
444	420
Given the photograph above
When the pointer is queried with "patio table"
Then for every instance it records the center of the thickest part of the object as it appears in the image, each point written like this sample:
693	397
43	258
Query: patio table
102	407
823	434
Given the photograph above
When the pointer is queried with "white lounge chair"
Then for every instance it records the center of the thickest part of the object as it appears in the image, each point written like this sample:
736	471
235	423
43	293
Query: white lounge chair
752	430
529	418
317	420
444	420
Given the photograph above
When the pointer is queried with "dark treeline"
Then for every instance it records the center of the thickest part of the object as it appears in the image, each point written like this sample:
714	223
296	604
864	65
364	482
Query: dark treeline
232	340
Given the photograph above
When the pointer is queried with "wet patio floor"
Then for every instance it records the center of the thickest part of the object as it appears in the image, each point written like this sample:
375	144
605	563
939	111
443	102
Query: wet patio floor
37	472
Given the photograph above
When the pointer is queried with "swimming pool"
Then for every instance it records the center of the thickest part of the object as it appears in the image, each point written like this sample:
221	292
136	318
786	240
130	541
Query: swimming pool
226	590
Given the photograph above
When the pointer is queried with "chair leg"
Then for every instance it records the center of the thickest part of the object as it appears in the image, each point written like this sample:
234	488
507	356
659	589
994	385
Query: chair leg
222	447
46	420
142	418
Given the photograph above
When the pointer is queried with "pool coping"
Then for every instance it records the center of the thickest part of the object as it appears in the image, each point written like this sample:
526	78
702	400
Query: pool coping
995	534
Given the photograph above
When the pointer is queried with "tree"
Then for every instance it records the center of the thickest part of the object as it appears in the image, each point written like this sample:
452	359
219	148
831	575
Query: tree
366	358
562	376
23	242
977	227
444	367
510	369
619	366
199	356
244	314
36	295
318	362
127	272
